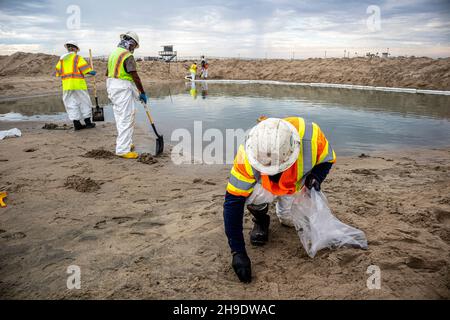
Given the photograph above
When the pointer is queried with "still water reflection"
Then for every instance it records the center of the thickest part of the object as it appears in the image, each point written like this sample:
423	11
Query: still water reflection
354	121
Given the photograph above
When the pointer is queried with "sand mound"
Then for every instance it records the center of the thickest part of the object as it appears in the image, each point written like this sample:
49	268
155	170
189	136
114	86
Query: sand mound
21	63
147	158
99	154
81	184
411	72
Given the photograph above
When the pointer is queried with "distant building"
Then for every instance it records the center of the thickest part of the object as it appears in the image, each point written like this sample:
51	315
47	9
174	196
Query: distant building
167	54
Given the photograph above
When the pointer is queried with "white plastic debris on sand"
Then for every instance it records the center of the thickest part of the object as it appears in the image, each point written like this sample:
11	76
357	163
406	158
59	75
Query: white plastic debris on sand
10	133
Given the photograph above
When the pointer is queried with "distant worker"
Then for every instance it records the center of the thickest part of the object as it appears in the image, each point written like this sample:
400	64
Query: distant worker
193	71
204	68
279	158
72	68
125	90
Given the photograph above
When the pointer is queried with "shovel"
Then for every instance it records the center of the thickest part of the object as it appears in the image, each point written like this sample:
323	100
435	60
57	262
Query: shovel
159	138
97	112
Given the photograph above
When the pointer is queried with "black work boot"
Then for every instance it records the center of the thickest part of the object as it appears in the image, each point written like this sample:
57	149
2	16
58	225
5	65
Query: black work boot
260	232
89	124
77	125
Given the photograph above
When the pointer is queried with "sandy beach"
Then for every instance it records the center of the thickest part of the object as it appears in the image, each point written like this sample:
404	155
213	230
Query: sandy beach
28	74
155	230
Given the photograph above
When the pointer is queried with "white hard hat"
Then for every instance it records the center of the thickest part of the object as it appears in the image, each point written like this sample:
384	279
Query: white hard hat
132	35
272	146
73	43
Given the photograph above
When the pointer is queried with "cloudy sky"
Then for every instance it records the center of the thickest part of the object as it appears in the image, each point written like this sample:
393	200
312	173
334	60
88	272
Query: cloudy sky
249	28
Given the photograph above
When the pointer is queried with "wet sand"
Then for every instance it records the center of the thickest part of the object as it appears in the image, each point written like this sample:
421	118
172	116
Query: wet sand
155	230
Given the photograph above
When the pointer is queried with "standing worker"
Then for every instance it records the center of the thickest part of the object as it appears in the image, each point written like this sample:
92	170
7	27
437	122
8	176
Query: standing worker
279	158
193	71
125	90
204	70
72	68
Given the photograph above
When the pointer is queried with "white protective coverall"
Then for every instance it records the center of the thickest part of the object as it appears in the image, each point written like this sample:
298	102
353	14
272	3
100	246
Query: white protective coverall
124	96
78	104
283	205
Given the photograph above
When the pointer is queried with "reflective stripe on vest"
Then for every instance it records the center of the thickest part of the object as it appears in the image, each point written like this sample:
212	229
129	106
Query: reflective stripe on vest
116	67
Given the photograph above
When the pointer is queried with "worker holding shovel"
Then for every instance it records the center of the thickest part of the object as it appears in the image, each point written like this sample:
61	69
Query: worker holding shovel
279	158
125	90
72	68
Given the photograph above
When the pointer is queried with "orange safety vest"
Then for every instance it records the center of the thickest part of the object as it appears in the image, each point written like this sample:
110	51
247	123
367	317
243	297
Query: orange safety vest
314	149
72	68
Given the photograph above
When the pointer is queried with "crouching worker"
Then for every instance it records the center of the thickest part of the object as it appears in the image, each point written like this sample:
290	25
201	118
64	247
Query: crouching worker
72	68
124	90
280	157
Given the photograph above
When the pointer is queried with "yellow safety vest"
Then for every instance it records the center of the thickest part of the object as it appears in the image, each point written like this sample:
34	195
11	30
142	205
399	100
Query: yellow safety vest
193	68
116	68
72	68
314	149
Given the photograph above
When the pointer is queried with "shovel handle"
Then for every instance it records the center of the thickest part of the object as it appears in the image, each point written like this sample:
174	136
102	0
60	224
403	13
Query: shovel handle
92	67
147	112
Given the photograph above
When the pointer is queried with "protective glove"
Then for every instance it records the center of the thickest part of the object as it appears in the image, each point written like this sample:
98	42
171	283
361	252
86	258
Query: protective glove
242	267
92	73
312	181
143	97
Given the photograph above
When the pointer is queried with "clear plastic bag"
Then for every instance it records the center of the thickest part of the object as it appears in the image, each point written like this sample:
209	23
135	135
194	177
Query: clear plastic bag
260	196
318	228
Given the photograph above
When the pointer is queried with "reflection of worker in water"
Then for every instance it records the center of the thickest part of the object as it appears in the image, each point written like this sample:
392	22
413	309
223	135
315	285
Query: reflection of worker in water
204	68
193	91
280	156
72	68
204	90
193	71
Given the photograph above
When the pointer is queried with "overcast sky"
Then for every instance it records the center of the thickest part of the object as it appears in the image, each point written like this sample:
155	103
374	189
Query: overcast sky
248	28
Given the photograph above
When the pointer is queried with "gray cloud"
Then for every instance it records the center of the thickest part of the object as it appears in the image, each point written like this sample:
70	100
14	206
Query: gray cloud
231	28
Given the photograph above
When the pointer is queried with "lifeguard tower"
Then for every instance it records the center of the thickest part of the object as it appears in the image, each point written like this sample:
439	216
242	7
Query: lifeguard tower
167	54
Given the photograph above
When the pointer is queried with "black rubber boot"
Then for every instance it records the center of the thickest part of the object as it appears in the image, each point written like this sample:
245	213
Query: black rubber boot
89	124
260	232
77	125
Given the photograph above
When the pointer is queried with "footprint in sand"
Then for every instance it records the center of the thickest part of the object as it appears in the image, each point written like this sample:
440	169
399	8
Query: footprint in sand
100	224
365	172
418	263
120	220
14	236
442	216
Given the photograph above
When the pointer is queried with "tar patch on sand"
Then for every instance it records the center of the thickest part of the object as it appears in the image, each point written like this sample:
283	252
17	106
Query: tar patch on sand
81	184
147	158
99	154
54	126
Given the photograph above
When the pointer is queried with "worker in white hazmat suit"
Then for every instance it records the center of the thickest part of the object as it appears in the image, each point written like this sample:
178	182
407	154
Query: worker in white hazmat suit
72	68
125	90
279	157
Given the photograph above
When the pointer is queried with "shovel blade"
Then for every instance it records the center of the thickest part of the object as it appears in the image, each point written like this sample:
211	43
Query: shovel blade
159	145
97	114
